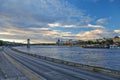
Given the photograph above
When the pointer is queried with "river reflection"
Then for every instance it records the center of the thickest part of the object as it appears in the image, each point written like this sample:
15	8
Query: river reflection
108	58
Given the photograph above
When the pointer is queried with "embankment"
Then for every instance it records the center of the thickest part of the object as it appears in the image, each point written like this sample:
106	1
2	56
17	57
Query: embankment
105	71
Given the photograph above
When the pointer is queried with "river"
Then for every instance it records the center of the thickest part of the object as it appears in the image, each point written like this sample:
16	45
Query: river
107	58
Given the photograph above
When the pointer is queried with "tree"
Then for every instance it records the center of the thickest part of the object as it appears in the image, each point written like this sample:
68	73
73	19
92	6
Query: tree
90	42
109	41
1	42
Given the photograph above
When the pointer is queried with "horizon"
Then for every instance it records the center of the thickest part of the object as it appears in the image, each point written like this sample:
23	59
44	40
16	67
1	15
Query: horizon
25	41
46	21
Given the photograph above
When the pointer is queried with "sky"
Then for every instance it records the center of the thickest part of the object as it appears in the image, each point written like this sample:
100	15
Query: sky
45	21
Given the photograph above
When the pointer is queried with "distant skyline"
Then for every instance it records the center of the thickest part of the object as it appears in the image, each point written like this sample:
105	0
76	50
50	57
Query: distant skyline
44	21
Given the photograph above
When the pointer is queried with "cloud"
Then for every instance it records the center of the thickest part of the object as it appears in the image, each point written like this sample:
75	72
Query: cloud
61	25
35	19
54	25
35	34
101	21
98	0
21	19
117	31
88	35
91	0
111	0
76	26
96	34
29	13
47	35
95	26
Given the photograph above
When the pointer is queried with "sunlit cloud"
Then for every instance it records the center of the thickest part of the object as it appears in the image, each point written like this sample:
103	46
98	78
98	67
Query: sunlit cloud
60	25
96	34
89	35
15	40
117	31
54	25
27	19
95	26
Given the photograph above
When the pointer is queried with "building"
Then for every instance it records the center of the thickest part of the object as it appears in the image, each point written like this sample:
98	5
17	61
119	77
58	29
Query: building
60	42
101	40
69	42
116	39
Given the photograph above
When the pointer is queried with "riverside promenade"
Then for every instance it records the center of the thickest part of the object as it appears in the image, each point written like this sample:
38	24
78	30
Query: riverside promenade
50	69
8	71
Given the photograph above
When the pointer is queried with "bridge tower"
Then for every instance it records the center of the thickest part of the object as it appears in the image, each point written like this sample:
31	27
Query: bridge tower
28	43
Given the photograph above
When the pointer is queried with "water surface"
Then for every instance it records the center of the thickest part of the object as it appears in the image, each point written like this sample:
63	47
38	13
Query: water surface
108	58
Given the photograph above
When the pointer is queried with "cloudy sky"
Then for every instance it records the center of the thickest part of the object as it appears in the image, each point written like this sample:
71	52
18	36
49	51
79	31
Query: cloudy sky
48	20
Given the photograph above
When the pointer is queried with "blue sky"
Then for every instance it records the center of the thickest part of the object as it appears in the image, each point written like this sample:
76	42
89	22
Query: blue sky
48	20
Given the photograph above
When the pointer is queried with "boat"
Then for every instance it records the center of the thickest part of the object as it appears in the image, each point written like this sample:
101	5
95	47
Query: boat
114	47
97	46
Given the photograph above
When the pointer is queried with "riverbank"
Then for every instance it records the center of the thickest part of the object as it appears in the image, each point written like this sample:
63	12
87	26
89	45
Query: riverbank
107	58
101	70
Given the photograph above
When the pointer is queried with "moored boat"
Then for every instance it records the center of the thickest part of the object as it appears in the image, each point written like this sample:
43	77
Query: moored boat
114	47
97	46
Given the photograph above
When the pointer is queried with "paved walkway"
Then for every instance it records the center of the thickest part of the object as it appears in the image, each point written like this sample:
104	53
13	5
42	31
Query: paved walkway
54	71
8	71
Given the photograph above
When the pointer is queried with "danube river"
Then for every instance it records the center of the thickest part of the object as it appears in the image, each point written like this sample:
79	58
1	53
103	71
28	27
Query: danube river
108	58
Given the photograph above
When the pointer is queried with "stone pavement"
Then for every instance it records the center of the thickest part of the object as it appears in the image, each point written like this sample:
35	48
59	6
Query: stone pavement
8	71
